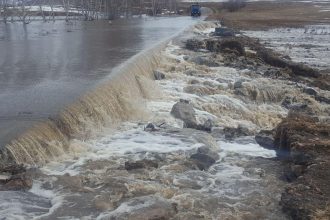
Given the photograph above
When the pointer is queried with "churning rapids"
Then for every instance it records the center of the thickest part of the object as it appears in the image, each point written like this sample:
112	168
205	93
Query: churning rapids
101	159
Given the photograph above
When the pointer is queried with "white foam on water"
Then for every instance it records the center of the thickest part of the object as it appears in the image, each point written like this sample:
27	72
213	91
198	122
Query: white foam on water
123	143
125	207
56	200
246	149
36	203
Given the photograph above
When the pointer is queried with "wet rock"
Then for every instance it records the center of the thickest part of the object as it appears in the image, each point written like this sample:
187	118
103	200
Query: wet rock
232	45
277	72
239	83
301	158
13	169
298	107
185	111
265	138
151	127
288	101
323	99
187	183
224	32
142	164
271	58
205	60
194	44
203	161
143	208
15	177
323	81
194	81
184	101
303	70
207	126
297	170
18	182
241	130
226	46
159	75
208	151
310	91
297	130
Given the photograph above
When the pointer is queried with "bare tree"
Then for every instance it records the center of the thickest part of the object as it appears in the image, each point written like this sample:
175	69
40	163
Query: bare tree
88	9
4	10
41	4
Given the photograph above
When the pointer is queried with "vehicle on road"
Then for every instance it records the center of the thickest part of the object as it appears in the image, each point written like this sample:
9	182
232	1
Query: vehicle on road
195	10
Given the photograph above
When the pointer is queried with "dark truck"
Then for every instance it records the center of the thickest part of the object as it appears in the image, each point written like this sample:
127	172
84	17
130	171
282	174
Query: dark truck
195	10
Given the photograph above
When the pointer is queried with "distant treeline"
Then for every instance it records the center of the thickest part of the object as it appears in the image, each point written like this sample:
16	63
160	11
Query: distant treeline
22	10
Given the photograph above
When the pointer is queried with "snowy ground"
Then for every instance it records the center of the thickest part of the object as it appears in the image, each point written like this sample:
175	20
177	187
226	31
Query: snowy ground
309	45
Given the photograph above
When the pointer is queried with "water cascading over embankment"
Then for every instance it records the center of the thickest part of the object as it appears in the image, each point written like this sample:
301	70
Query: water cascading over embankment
118	99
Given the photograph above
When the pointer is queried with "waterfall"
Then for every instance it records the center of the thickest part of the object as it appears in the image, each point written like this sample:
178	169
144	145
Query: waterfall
118	99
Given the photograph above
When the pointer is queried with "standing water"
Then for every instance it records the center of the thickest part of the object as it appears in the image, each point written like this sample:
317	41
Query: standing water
46	66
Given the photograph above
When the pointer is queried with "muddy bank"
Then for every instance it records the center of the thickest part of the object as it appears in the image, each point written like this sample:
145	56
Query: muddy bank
303	142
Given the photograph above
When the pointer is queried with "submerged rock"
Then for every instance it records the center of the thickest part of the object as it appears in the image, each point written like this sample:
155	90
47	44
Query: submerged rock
203	161
207	154
265	138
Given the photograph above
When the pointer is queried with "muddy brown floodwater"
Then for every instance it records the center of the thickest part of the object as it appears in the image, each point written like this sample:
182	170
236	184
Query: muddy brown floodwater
46	66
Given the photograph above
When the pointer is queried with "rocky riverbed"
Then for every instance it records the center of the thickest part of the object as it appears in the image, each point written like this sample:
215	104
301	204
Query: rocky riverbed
197	153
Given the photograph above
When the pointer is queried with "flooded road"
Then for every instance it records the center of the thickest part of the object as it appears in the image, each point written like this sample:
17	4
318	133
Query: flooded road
46	66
